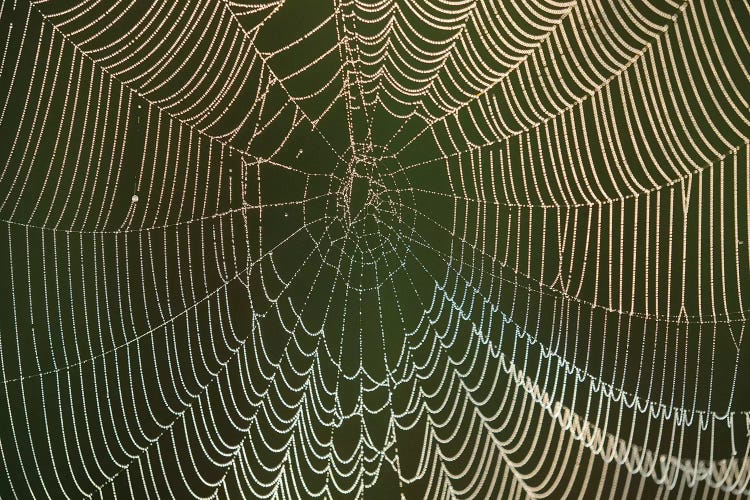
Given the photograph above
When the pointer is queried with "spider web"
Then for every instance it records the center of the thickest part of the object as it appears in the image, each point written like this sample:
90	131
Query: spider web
374	248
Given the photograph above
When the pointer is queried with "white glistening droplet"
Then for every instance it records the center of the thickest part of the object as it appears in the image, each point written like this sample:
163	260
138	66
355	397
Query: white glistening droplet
134	199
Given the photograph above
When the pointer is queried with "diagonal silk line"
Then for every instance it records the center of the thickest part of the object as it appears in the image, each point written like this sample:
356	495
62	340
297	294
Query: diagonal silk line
161	325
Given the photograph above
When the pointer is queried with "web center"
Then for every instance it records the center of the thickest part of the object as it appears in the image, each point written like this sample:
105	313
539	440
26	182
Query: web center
360	191
360	195
370	216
